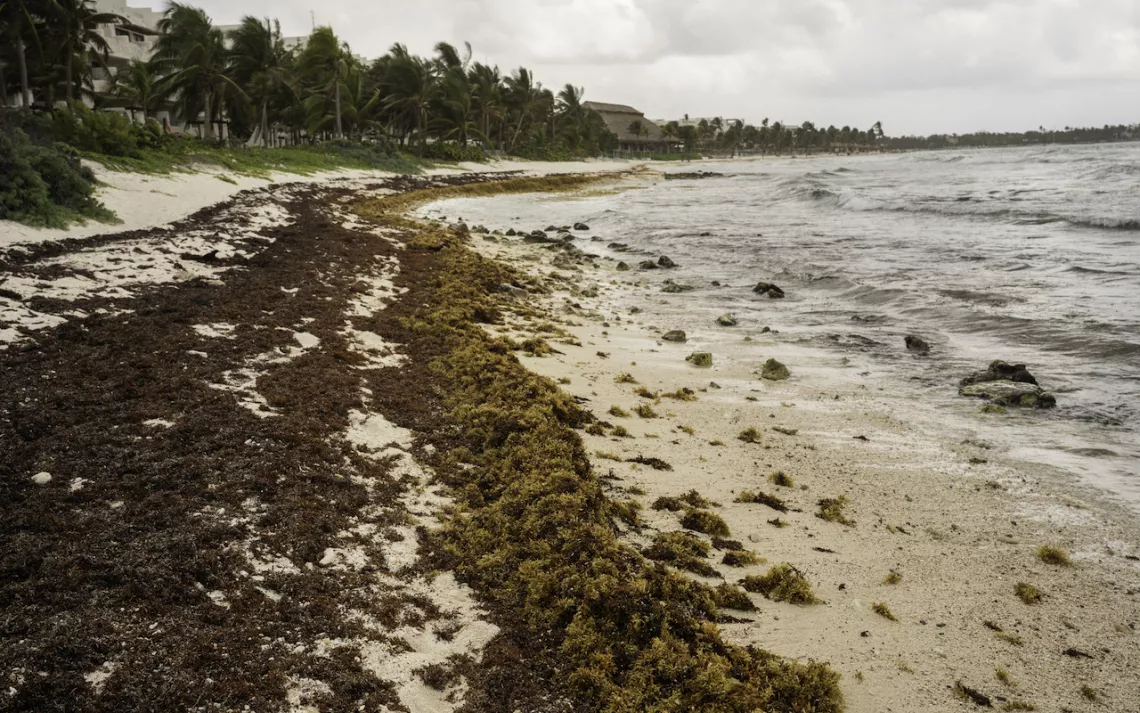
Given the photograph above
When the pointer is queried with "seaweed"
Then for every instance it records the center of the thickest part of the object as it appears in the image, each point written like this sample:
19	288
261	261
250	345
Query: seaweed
646	411
1054	556
969	694
831	510
704	521
1089	693
682	394
761	498
782	583
730	596
654	463
618	412
606	455
621	432
777	523
625	378
1018	706
628	511
683	551
1027	593
782	479
749	435
669	503
1003	675
892	578
883	610
741	558
645	393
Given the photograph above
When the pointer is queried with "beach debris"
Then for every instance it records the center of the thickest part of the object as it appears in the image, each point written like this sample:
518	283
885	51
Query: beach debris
647	265
786	431
916	344
884	611
666	262
1076	654
581	226
831	510
730	596
769	288
774	371
978	698
749	435
623	267
685	175
761	498
714	385
1000	371
41	478
1054	556
618	247
726	320
1010	393
674	335
654	463
1027	593
715	283
676	287
700	359
782	583
211	256
704	521
683	551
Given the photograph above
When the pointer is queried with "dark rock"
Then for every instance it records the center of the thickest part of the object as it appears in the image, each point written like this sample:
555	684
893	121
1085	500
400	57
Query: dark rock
715	283
462	227
774	371
674	335
581	226
726	320
647	265
999	371
674	288
768	288
211	256
664	261
917	344
1010	393
551	229
510	231
622	267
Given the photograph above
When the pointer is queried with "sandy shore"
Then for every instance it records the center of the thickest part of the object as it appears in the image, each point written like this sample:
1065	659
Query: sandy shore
191	401
959	525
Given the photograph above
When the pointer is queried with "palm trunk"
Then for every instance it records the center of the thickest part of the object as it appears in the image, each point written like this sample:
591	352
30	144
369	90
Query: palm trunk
3	88
265	123
209	133
339	126
22	61
69	63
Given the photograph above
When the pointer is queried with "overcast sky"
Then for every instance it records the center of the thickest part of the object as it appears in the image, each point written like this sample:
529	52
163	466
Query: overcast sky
919	66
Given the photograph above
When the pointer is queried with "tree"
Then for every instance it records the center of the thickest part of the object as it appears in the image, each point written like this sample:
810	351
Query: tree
18	21
326	61
260	63
138	86
76	23
193	51
412	88
487	95
525	99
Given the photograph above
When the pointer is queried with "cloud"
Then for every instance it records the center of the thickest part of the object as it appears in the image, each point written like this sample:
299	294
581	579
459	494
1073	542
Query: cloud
919	66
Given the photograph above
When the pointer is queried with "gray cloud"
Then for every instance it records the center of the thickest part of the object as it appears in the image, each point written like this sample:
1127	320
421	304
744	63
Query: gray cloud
917	65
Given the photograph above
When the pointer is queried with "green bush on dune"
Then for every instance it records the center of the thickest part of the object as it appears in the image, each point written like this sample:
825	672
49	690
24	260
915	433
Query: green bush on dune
44	185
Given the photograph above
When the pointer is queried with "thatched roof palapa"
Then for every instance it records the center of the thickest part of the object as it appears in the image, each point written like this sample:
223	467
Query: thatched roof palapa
618	117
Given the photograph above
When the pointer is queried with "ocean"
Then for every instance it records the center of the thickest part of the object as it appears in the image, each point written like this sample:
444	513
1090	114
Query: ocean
1027	255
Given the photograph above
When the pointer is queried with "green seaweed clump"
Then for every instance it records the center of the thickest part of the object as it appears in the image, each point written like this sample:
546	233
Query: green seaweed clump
892	578
1054	556
774	371
1027	593
683	551
704	521
536	347
618	412
621	432
883	610
782	583
741	558
749	435
782	479
831	510
730	596
682	394
628	511
645	393
625	378
761	498
646	411
700	359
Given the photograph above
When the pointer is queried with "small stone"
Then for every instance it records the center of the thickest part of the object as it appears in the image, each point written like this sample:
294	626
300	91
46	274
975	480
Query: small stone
664	261
581	226
674	335
726	320
774	371
647	265
700	359
714	385
622	267
770	289
917	344
41	478
675	288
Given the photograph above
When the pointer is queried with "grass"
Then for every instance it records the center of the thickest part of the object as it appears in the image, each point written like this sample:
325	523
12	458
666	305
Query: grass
883	610
1027	593
782	583
749	435
831	510
1054	556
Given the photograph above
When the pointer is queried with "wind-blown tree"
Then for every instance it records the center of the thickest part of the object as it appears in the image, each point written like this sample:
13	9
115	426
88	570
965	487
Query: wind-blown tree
138	86
325	62
260	63
193	52
487	95
76	23
19	21
455	111
525	99
411	89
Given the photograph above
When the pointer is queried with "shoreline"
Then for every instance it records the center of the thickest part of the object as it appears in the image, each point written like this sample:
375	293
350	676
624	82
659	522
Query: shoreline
926	508
327	321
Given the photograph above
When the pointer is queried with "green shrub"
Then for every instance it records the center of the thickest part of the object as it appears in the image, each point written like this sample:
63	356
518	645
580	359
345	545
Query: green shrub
96	131
448	151
23	194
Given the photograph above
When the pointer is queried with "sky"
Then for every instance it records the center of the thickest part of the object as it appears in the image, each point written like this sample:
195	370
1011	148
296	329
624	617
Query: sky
918	66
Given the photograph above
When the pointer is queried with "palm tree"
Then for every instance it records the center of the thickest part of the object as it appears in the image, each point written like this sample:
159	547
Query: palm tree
138	85
525	96
194	53
260	63
76	22
326	59
18	23
487	92
411	90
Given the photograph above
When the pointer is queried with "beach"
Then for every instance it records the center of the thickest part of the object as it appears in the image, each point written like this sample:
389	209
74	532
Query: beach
255	388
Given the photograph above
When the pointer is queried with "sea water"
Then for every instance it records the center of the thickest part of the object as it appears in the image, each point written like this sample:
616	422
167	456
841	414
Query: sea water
1027	255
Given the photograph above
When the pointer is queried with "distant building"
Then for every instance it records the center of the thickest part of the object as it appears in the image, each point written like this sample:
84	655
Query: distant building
620	118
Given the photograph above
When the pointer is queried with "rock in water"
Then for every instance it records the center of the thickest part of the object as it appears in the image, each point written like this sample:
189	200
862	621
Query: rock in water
510	231
622	267
774	371
1000	371
674	288
917	344
726	320
1010	393
664	261
647	265
768	288
581	226
674	335
701	359
41	478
